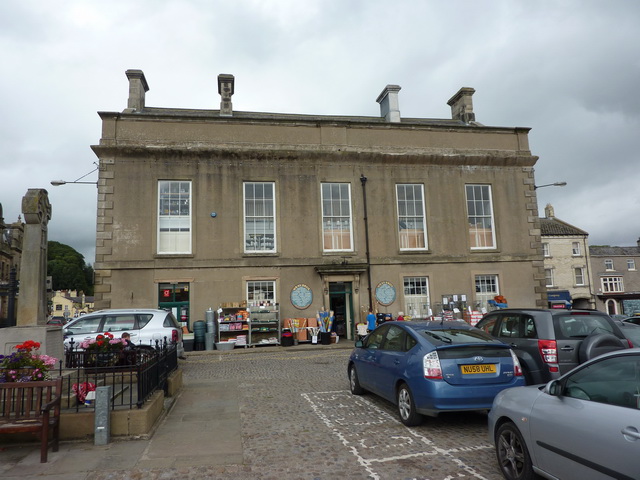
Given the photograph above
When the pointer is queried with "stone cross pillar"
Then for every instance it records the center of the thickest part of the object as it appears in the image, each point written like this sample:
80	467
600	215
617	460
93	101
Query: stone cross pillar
32	303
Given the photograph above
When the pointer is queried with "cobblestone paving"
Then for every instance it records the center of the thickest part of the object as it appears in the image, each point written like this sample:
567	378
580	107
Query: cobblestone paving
299	421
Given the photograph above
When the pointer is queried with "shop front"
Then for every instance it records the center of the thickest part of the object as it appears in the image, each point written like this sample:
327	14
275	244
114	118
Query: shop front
559	299
175	298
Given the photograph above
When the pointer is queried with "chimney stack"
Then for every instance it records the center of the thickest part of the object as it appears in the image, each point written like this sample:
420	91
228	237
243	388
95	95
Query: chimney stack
389	105
137	88
225	89
462	105
548	211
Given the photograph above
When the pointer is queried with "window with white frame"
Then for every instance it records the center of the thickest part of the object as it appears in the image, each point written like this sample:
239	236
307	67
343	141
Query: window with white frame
631	264
416	297
608	264
612	284
337	229
412	228
261	292
486	289
545	250
174	217
575	249
578	273
480	217
548	277
259	217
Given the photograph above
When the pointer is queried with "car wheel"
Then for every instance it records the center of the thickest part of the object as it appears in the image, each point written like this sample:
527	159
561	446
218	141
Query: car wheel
354	384
407	408
513	456
595	345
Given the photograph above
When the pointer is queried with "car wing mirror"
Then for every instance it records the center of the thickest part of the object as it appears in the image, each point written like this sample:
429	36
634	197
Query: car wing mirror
554	387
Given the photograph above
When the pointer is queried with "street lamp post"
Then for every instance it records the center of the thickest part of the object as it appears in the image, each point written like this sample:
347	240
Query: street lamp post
556	184
57	183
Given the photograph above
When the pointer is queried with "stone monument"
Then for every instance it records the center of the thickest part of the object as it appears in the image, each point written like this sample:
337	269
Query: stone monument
32	302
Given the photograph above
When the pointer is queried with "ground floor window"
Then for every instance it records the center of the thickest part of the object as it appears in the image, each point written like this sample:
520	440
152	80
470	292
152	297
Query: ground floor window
486	289
416	297
261	292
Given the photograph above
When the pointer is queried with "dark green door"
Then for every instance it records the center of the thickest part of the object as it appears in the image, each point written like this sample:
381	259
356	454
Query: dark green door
175	298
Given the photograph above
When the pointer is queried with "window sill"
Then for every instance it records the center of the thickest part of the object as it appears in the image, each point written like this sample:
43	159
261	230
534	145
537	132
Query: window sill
260	254
174	255
414	252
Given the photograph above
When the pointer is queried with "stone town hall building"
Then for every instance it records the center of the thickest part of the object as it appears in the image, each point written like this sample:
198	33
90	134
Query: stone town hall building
198	208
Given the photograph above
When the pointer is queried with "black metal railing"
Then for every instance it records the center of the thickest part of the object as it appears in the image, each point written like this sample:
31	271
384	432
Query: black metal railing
134	374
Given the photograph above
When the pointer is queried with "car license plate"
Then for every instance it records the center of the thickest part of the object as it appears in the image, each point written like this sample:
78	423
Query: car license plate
484	368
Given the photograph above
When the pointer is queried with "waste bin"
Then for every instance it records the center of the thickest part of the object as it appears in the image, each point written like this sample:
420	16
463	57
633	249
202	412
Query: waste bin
325	338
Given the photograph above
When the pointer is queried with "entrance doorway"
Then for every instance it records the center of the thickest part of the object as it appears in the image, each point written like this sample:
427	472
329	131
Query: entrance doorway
175	298
341	303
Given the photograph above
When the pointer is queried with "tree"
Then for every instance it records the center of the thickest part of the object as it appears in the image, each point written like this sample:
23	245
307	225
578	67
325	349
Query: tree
67	269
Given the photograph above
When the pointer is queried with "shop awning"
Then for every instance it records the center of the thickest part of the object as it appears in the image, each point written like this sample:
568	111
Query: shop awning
558	295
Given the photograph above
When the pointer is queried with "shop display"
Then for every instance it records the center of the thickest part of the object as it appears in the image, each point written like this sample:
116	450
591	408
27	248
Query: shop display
249	326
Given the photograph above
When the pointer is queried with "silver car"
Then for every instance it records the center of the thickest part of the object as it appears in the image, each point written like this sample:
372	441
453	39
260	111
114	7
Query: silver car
146	326
585	424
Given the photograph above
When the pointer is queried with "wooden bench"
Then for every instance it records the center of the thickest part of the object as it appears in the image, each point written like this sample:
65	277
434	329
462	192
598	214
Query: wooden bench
32	407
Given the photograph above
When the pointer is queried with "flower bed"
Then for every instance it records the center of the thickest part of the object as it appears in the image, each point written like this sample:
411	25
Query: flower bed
26	364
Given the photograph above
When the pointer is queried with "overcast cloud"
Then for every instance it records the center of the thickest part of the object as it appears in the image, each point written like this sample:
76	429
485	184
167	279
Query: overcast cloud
569	70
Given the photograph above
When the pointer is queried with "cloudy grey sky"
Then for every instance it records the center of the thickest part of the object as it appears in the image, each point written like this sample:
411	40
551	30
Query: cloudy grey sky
569	70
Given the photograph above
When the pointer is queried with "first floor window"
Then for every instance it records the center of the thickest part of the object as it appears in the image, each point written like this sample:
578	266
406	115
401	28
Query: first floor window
548	277
579	275
575	249
631	264
259	217
412	228
480	217
174	216
608	264
545	250
416	297
486	289
336	217
261	292
612	285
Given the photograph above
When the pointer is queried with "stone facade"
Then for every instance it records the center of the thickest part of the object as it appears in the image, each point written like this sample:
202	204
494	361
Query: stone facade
220	155
616	278
10	256
566	261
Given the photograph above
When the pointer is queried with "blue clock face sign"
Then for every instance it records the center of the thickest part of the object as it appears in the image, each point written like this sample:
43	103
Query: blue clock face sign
385	293
301	296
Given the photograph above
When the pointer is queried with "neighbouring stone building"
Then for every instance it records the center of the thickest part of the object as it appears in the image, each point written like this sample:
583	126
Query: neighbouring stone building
616	278
197	208
566	263
10	255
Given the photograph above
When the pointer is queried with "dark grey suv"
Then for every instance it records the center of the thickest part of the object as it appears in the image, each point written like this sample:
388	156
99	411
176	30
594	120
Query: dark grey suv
551	342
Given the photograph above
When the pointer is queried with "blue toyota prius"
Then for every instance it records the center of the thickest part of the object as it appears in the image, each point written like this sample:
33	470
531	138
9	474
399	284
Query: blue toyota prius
430	367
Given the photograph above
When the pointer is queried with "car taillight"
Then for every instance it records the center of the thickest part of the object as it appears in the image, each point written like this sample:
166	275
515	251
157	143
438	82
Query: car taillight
548	350
175	338
431	366
517	369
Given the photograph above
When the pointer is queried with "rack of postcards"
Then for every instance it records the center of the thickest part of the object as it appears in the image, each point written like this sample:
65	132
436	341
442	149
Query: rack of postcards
249	325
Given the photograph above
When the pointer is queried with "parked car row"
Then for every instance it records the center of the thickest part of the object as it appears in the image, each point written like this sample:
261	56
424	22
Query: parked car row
585	361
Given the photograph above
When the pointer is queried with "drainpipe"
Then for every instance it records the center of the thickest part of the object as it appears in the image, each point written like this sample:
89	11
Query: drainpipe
363	179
